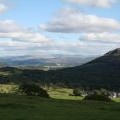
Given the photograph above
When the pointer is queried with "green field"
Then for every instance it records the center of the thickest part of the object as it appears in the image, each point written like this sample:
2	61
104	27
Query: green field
4	73
60	106
57	93
35	108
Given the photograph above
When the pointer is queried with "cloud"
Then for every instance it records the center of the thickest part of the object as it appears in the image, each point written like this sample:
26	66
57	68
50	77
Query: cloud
4	5
16	39
70	20
25	36
2	8
95	3
10	29
101	37
55	47
10	26
75	47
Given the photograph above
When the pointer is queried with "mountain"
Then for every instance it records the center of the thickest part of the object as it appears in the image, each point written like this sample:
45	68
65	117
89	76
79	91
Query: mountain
42	62
115	52
102	72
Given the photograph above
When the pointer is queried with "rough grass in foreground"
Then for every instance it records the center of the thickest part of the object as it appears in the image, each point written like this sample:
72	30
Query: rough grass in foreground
36	108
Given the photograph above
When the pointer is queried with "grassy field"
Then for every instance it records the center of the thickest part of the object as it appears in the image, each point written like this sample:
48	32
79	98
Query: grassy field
35	108
57	93
4	73
62	93
11	88
61	106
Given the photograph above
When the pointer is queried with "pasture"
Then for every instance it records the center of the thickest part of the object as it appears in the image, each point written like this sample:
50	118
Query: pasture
60	106
35	108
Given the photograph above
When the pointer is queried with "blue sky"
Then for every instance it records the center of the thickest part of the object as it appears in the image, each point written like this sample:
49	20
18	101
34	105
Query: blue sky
30	12
70	27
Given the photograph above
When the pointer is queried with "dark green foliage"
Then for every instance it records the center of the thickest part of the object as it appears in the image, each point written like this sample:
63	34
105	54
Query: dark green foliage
99	95
105	92
77	92
98	98
33	90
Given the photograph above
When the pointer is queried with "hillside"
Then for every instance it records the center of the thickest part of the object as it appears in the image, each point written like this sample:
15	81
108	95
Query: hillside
103	72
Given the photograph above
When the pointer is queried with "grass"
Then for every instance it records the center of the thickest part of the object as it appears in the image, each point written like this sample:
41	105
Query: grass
62	93
35	108
11	88
61	106
4	73
57	93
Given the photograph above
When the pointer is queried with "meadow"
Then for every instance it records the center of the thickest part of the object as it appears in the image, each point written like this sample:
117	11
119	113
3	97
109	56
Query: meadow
60	106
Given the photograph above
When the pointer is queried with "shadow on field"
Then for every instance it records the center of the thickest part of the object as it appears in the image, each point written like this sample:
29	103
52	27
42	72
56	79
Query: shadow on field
25	102
15	106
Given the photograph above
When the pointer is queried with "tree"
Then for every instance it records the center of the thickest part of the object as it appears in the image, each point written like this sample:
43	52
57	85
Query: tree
33	90
99	95
105	92
77	92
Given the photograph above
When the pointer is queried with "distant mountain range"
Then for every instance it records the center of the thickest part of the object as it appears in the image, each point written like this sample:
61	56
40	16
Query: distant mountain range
35	62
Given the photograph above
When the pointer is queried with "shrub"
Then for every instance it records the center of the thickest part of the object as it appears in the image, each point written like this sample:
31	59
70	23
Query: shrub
98	96
32	90
105	92
77	92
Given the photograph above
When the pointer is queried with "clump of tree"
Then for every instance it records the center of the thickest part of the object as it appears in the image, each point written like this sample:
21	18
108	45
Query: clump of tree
77	92
33	90
99	95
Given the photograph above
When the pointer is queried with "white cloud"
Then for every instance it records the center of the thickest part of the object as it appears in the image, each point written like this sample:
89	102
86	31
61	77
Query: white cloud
18	40
67	47
25	36
96	3
2	8
101	37
10	29
70	20
10	26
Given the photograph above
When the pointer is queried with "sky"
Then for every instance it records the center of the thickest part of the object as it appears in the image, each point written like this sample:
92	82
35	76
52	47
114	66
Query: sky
64	27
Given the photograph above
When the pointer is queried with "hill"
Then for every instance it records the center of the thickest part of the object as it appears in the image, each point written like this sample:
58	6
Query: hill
103	72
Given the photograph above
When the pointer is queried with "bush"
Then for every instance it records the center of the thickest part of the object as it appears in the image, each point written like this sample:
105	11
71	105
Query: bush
105	92
77	92
98	96
32	90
